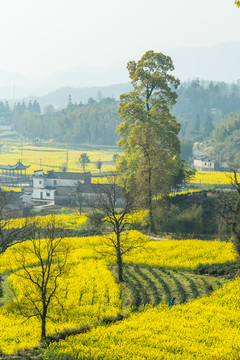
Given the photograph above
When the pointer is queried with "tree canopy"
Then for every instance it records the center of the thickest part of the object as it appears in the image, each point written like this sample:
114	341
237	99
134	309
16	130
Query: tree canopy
225	140
83	161
149	130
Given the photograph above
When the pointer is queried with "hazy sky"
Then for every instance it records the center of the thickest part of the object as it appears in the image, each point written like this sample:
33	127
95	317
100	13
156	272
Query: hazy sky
39	37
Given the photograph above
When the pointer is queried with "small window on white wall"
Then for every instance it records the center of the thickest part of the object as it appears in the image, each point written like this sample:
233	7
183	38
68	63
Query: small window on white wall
40	181
48	193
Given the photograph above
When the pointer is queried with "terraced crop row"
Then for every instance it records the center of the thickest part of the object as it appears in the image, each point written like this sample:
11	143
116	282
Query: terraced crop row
153	285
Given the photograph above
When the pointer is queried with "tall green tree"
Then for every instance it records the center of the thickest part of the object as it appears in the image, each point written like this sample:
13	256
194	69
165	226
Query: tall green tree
149	130
84	160
99	165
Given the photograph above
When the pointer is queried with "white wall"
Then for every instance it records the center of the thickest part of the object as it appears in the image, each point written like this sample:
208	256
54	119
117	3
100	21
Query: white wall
203	164
38	182
43	194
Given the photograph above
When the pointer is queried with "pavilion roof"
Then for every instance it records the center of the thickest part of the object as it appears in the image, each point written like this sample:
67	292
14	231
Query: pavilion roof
18	166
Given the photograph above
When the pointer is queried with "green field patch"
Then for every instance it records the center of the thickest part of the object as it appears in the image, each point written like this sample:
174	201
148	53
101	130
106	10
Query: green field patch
150	285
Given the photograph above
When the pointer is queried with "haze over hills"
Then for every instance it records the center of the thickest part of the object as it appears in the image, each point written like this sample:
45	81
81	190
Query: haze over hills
59	97
217	63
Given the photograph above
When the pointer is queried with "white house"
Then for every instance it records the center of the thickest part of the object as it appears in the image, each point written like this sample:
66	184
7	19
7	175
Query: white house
67	188
46	185
203	164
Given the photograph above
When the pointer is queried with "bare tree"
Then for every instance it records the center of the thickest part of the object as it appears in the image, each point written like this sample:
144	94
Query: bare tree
114	205
41	282
9	232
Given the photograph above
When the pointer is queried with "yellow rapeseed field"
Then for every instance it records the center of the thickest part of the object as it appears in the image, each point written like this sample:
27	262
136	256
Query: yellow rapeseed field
89	292
53	158
50	158
212	177
5	188
206	328
183	254
68	221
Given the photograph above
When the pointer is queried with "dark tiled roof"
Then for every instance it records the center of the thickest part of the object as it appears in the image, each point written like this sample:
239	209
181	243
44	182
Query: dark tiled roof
68	175
18	166
85	188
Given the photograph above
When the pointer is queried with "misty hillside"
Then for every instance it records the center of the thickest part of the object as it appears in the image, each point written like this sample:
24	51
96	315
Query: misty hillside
89	115
59	98
217	63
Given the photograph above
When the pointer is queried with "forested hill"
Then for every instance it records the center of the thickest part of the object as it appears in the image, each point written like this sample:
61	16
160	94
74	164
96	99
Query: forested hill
200	107
59	97
225	140
91	123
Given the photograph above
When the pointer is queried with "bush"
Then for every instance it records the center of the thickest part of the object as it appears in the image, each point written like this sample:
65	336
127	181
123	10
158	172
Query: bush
94	220
229	268
65	333
168	218
65	210
111	319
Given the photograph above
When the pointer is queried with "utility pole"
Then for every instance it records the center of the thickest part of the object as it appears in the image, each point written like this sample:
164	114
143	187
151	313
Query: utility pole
67	160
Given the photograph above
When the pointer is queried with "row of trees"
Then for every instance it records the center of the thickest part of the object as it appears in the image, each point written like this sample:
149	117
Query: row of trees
201	105
91	123
223	144
13	115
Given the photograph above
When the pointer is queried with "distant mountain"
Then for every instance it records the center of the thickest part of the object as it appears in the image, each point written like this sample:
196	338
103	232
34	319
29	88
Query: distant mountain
16	87
59	98
10	81
218	63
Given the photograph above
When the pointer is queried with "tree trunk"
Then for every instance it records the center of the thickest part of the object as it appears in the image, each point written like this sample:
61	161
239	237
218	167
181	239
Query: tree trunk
43	332
43	327
119	259
150	208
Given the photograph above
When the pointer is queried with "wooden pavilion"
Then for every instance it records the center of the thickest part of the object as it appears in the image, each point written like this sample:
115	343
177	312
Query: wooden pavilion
17	171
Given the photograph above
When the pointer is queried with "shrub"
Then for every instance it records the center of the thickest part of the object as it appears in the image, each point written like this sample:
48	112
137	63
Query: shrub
171	219
94	220
228	268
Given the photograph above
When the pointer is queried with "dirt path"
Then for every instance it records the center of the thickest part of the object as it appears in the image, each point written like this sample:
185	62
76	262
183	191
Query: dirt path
156	238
